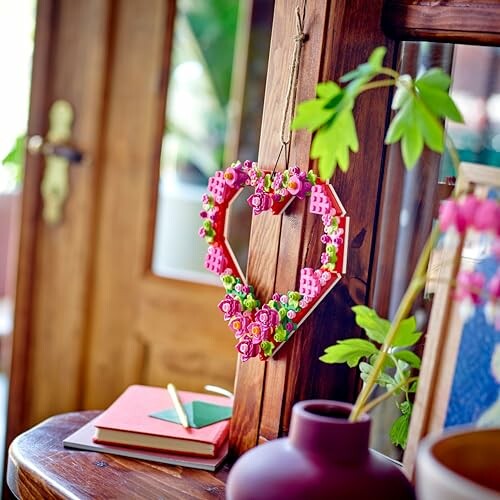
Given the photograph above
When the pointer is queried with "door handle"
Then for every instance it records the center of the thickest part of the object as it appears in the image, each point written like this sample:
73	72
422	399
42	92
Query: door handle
58	152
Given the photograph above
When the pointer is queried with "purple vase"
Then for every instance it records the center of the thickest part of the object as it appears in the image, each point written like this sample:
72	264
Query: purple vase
324	457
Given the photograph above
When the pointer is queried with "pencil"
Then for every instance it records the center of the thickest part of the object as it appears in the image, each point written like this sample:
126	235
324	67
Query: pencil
181	413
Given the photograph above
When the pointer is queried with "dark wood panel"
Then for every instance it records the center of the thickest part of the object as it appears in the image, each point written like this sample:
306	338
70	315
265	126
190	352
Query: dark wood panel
341	34
354	31
459	21
40	468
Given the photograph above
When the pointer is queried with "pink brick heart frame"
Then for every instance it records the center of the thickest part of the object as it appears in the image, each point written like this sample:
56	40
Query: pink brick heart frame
262	330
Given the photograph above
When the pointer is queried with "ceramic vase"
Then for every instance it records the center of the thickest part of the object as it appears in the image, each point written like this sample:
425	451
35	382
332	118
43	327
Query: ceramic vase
324	457
461	464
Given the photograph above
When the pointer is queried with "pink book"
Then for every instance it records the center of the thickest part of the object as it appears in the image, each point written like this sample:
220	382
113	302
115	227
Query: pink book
127	422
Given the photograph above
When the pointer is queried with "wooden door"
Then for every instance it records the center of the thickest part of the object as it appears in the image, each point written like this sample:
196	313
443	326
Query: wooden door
91	317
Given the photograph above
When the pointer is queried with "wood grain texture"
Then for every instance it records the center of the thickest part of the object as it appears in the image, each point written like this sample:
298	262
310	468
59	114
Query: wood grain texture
58	312
453	21
341	35
40	468
354	31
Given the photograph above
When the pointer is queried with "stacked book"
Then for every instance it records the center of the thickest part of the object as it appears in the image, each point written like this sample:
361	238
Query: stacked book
143	423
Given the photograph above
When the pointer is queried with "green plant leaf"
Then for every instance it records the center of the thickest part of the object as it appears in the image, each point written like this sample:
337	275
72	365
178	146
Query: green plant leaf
333	141
408	357
412	141
399	430
439	102
348	351
311	115
405	407
377	58
406	335
314	113
369	69
435	77
384	380
430	126
327	90
375	327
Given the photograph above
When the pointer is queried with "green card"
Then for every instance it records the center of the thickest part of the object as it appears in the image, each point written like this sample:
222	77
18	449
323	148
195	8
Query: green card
199	414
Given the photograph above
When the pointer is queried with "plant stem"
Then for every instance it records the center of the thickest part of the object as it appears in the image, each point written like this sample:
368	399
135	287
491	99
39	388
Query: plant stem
389	72
374	402
414	288
377	84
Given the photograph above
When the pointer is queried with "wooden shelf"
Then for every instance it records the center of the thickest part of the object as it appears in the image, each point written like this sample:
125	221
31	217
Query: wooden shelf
39	467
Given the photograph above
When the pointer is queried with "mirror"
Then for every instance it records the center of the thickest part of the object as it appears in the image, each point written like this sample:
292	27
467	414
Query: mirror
213	113
476	89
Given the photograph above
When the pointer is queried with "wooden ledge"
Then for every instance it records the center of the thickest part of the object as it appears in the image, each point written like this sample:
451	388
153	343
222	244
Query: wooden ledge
453	21
40	467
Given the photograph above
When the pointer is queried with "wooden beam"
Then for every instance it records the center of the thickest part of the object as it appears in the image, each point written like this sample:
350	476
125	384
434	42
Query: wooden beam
341	34
456	21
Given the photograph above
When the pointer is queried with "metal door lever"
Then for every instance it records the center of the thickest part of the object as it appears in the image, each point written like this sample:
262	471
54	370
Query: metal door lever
58	154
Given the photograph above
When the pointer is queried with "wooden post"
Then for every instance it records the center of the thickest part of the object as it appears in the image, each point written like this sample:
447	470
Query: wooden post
341	34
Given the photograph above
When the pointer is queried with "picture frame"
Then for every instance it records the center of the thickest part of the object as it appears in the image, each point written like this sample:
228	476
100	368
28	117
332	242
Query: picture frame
441	400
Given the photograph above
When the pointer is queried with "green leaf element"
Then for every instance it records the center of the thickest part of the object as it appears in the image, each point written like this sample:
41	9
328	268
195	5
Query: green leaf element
435	77
408	357
369	69
432	130
311	115
314	113
432	88
439	102
405	407
399	431
420	105
412	141
406	335
384	380
376	328
405	127
348	351
332	143
327	90
377	57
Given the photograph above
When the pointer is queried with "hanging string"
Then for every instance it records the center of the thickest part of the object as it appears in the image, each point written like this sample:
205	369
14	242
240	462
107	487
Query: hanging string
291	93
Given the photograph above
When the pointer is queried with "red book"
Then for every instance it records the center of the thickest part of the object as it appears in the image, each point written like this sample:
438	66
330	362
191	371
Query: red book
127	422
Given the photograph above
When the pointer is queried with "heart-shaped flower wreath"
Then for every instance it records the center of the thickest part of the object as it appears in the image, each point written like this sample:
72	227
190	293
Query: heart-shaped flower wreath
262	330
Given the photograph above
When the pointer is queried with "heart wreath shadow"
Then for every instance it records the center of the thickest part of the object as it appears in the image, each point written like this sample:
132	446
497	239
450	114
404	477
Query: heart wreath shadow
262	329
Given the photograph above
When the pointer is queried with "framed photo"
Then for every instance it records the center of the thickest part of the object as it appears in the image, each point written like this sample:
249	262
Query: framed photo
460	375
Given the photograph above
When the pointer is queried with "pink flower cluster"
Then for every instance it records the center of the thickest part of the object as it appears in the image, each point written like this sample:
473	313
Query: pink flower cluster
470	212
251	328
258	330
472	290
333	239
